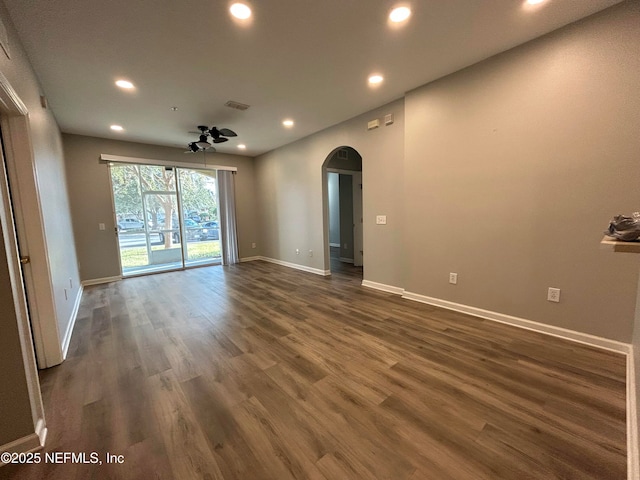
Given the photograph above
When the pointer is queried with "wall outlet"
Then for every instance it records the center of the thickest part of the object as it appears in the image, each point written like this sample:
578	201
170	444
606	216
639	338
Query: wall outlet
101	226
553	295
311	253
381	219
453	278
297	251
253	245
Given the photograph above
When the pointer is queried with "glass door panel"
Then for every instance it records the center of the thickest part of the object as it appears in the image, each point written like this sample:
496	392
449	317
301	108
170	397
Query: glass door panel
199	204
144	196
163	230
167	218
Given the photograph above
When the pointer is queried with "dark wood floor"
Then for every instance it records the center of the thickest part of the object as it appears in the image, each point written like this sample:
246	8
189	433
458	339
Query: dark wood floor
258	371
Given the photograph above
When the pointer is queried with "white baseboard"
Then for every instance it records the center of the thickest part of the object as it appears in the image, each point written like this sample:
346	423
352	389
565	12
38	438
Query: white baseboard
99	281
72	322
334	245
304	268
30	443
564	333
249	259
346	260
633	455
383	287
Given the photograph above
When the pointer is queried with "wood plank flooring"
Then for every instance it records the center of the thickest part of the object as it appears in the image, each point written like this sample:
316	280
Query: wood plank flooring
257	371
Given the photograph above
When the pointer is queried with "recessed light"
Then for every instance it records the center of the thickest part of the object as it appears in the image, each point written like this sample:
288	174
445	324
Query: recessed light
240	11
399	14
288	123
117	128
125	84
242	146
376	79
534	2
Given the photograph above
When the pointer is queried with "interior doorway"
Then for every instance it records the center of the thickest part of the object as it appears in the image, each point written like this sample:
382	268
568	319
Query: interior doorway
342	174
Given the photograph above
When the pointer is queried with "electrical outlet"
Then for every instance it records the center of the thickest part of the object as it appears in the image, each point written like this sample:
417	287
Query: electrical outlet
297	251
101	226
381	219
311	253
553	295
253	245
453	278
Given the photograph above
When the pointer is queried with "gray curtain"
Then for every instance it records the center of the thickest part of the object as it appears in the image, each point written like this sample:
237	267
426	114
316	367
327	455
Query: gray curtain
227	215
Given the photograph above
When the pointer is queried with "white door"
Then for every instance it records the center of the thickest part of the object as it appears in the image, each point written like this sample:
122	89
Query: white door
357	219
16	267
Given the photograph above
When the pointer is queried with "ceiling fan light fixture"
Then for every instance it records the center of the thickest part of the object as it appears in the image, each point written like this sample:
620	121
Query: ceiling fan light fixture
202	143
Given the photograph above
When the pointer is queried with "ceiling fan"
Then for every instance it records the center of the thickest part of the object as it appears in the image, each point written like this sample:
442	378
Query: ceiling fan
216	135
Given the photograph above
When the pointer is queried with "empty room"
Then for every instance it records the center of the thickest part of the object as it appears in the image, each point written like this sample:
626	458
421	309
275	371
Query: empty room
319	240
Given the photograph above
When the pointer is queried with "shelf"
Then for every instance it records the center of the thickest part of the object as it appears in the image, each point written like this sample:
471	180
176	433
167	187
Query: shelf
621	247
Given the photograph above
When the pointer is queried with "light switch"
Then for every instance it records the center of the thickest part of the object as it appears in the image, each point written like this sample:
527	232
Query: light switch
381	219
101	226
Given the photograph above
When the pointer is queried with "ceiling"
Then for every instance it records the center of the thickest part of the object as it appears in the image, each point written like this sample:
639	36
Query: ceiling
300	59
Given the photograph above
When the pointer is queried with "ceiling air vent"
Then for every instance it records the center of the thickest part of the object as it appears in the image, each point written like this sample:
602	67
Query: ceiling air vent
236	105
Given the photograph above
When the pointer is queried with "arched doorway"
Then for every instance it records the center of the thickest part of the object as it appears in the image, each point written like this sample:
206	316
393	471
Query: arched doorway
342	203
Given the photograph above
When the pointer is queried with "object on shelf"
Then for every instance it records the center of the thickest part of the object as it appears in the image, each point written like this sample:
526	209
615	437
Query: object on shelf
626	229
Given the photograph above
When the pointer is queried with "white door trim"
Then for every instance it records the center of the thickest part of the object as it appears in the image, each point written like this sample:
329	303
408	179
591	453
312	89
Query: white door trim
14	116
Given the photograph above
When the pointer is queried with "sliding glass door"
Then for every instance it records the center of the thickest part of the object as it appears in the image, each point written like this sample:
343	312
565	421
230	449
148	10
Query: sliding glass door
167	218
199	209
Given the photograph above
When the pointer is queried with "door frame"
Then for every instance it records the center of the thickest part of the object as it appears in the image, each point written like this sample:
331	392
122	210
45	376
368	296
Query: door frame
18	150
356	176
114	160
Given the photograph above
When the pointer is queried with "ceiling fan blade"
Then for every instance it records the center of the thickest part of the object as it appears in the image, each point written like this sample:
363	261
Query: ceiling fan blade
227	133
220	140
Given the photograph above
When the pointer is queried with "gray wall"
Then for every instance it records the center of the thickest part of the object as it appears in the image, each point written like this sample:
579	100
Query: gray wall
333	186
290	188
90	193
514	167
51	181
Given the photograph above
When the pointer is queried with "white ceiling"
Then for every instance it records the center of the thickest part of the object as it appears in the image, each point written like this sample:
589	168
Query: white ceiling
304	59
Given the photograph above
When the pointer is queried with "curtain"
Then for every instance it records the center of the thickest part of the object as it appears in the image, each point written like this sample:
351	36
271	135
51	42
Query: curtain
227	215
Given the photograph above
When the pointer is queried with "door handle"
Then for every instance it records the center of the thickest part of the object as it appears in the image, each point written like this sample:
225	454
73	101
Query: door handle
25	260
